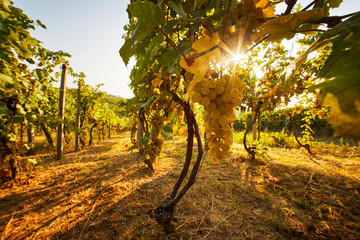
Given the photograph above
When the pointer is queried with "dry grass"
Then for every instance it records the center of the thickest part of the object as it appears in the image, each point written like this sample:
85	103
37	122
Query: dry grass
105	192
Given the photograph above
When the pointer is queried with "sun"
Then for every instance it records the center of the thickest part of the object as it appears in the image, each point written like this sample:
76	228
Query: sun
237	57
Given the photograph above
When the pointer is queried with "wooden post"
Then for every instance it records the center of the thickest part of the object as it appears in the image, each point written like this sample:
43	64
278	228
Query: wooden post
109	123
259	126
77	126
60	137
21	135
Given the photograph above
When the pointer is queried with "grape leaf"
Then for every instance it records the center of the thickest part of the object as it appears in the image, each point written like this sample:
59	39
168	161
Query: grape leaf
340	75
286	26
127	51
344	124
178	8
334	3
201	64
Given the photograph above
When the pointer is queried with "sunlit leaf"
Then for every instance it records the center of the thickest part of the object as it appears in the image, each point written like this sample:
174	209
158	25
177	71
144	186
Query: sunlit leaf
286	26
148	14
344	124
340	75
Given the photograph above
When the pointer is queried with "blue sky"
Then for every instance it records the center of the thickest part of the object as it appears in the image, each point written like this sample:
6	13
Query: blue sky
91	31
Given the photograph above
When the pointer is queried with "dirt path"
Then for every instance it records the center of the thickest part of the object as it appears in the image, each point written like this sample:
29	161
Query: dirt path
106	192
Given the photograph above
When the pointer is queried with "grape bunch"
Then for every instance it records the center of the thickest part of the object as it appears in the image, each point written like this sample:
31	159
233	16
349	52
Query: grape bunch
219	98
242	19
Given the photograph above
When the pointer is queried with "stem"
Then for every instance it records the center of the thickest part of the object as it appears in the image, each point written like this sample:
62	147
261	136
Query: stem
226	17
195	170
205	52
256	44
291	4
190	143
173	44
251	150
311	30
308	6
306	146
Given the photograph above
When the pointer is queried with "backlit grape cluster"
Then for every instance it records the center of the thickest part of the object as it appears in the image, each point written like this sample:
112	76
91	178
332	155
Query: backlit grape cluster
242	20
219	98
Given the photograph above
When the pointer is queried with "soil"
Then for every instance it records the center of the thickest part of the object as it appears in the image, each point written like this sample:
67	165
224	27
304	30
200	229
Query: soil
106	192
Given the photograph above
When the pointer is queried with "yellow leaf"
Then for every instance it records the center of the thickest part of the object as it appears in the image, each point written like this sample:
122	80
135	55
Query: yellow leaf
206	42
261	3
200	65
286	26
344	125
269	12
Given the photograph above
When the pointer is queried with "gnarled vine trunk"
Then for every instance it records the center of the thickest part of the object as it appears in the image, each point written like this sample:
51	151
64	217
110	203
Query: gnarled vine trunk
164	213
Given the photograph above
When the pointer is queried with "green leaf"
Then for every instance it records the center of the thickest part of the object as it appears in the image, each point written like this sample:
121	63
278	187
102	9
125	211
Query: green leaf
334	3
149	15
127	51
40	23
6	4
167	131
6	79
286	26
147	103
340	75
178	8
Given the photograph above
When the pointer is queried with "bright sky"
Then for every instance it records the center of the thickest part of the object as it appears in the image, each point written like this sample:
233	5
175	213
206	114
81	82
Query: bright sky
91	31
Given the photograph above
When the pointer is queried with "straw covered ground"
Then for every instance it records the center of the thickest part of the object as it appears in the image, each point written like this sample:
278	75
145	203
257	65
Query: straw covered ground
106	192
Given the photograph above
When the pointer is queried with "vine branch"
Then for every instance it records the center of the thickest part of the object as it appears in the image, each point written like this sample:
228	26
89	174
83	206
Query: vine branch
306	146
250	150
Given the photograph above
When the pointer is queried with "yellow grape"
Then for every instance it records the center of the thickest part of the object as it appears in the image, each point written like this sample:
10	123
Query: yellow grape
219	89
222	81
228	139
212	83
215	114
225	147
234	92
229	108
226	98
215	123
205	101
223	120
220	155
197	87
225	127
215	160
211	107
196	97
236	101
212	94
205	82
204	90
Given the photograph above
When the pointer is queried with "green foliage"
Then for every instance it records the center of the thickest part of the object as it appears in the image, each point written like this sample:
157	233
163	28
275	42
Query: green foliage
340	75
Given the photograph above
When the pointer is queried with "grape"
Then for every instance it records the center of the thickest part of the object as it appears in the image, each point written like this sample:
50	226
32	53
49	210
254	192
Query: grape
219	96
197	87
196	97
215	114
211	94
205	101
212	83
225	147
224	120
204	90
219	89
234	92
211	107
226	98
